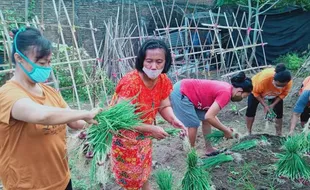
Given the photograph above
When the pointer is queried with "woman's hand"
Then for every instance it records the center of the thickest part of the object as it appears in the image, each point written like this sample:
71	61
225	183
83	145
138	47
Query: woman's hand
91	115
176	123
228	133
158	132
266	109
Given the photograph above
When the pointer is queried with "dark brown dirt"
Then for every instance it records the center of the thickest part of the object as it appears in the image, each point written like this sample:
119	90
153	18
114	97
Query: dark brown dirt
255	171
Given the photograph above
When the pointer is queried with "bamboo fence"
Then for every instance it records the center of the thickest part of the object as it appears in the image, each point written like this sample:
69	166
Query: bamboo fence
116	54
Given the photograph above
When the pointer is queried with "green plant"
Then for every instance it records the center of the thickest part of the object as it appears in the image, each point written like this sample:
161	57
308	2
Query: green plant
94	75
164	179
293	61
245	145
98	138
215	137
172	131
195	178
291	163
216	160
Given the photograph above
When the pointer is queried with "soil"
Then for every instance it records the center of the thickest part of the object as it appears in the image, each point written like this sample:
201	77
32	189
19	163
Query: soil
256	169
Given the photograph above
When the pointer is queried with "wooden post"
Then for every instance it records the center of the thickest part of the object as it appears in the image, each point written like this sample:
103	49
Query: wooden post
98	62
78	52
60	32
8	38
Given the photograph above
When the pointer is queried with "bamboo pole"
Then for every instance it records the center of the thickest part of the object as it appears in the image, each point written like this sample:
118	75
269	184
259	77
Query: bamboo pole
138	22
78	52
7	71
218	39
42	16
241	37
232	41
170	29
8	38
60	32
242	47
98	62
54	25
26	10
244	70
5	49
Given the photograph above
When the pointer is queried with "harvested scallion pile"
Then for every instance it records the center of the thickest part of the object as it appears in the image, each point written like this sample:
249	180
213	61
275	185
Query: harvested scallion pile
195	178
164	179
245	145
99	137
291	164
216	160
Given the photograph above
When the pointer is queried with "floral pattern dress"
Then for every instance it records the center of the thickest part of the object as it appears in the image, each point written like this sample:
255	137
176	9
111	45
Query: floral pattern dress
131	151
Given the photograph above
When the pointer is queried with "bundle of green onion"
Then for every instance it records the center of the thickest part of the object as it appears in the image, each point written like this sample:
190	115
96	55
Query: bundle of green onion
215	137
305	141
98	138
245	145
291	164
172	131
195	178
270	115
164	179
216	160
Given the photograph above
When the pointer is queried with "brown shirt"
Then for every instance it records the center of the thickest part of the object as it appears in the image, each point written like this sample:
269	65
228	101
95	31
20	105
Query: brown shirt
32	156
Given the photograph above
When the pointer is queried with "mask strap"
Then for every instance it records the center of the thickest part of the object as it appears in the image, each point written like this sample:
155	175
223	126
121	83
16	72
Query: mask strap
22	55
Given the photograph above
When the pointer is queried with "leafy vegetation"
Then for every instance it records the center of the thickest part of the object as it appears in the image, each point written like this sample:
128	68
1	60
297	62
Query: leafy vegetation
63	75
293	61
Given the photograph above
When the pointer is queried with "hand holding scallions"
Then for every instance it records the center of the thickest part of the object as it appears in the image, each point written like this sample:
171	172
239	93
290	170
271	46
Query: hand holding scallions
89	119
158	132
176	123
230	134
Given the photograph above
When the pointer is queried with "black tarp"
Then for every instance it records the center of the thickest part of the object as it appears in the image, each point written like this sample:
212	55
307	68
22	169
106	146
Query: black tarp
287	31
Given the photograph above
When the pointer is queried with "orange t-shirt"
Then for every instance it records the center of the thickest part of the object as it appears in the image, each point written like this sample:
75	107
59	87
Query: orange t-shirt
305	85
32	156
263	86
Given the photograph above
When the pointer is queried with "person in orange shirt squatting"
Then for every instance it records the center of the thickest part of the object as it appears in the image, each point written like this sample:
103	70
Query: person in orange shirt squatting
273	85
33	120
149	87
302	106
195	100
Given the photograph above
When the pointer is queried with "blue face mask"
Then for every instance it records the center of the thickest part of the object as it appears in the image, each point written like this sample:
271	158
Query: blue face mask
38	74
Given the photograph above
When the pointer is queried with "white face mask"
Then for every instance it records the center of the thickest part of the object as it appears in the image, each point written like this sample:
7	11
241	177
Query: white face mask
278	87
152	74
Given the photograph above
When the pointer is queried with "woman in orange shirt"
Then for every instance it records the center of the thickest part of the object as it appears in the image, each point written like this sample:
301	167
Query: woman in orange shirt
33	120
273	85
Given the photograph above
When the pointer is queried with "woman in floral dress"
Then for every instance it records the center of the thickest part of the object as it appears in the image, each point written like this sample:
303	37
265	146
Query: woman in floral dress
149	87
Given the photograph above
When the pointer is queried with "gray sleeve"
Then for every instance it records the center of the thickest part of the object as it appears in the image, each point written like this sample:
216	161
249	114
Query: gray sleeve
302	101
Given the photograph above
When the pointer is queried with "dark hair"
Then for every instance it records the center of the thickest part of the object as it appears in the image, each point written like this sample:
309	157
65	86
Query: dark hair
241	81
28	39
153	44
282	74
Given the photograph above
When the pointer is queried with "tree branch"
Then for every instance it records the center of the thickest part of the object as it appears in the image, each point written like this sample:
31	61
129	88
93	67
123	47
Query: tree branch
270	7
267	2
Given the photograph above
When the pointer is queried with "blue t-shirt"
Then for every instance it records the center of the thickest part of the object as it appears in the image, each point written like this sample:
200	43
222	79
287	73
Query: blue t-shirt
302	101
